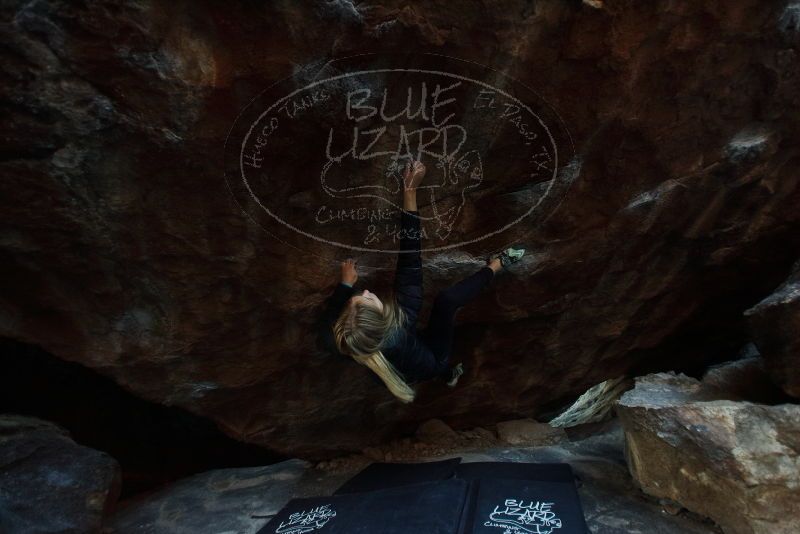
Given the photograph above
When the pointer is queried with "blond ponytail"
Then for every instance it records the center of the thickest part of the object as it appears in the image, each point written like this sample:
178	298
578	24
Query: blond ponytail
386	372
361	331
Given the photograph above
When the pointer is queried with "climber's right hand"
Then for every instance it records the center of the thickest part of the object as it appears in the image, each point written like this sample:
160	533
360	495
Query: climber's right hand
413	175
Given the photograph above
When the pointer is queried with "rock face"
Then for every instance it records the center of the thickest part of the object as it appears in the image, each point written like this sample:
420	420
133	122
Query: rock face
745	379
49	483
530	432
240	500
775	323
735	462
672	206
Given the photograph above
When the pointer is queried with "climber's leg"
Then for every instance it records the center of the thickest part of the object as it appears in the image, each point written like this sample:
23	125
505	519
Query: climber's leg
439	333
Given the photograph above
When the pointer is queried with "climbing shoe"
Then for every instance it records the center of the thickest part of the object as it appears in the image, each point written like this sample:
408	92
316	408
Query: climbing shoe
455	373
508	257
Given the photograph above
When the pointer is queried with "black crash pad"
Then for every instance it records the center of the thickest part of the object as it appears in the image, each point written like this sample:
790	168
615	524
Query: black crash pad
380	475
429	508
503	505
524	498
443	497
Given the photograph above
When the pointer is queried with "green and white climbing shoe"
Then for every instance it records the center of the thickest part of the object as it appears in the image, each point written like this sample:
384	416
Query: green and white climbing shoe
508	257
455	373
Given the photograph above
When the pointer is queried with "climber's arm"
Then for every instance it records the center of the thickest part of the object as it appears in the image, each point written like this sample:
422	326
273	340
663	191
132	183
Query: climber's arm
408	274
333	308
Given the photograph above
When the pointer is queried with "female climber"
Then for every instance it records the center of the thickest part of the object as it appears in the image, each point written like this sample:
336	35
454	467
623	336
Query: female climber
382	335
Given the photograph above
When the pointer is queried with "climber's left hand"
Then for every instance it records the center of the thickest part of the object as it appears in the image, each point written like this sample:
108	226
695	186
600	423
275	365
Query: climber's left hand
349	274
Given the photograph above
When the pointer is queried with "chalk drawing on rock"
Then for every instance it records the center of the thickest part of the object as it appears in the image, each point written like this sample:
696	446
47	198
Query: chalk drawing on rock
355	128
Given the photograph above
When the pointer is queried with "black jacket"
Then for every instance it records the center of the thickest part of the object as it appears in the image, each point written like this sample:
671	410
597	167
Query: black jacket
404	349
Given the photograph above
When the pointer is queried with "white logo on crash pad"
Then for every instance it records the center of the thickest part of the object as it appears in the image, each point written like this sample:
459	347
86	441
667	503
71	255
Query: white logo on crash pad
301	522
533	517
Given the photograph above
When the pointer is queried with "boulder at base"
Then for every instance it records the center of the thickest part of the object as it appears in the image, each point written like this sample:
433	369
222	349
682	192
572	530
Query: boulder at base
49	483
735	462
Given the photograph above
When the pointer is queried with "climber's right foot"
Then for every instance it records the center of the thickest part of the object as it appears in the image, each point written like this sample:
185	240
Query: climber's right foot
455	373
507	257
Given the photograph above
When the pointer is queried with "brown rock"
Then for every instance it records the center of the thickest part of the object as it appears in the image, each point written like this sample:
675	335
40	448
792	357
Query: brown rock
529	432
373	453
434	431
484	433
745	379
671	507
735	462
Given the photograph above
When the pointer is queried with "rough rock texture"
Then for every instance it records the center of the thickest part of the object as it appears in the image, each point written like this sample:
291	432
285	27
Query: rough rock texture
775	323
238	500
433	430
735	462
122	247
745	379
529	431
242	500
49	483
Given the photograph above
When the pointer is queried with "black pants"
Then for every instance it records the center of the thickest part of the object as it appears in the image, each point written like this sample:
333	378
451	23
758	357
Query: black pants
438	335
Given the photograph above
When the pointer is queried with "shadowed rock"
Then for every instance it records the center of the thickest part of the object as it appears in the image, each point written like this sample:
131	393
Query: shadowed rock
775	323
49	483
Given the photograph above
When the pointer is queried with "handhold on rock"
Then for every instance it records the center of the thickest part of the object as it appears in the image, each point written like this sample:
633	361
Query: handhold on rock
434	430
529	432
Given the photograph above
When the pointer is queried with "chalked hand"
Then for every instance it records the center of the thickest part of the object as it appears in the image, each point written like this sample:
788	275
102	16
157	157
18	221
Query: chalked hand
413	175
349	274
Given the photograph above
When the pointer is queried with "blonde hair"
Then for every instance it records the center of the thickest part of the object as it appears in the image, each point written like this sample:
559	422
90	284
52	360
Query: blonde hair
362	330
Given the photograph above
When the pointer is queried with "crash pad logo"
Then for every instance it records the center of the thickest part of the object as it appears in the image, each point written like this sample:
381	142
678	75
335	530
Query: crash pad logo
319	157
306	521
517	516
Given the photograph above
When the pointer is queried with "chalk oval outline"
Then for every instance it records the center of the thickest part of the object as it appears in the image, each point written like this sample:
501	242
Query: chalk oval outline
419	71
